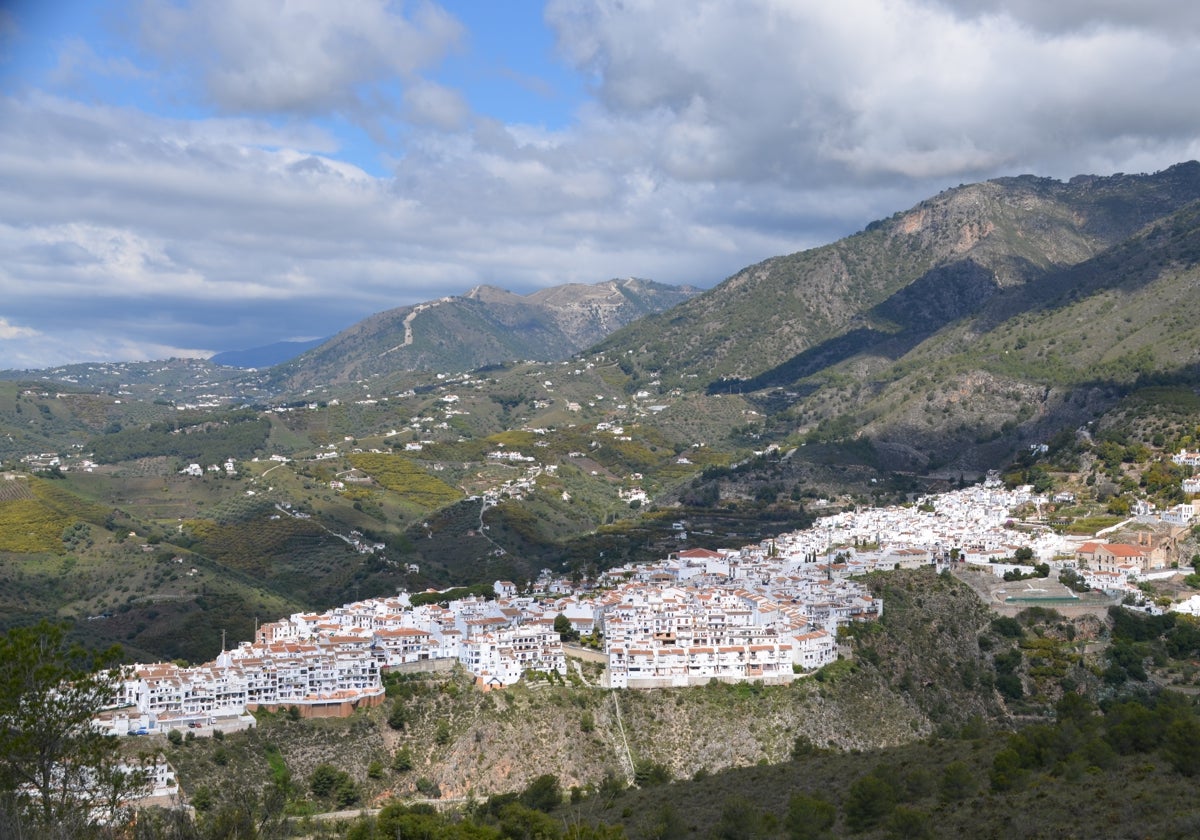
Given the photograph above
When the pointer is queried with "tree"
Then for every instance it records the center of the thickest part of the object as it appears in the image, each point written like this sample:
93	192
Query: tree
869	802
809	817
402	762
740	820
1182	745
562	626
58	768
958	782
398	717
326	779
908	823
543	794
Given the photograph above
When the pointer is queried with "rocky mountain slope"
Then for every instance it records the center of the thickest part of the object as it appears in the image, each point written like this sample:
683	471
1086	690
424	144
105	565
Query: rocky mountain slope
485	326
912	273
950	333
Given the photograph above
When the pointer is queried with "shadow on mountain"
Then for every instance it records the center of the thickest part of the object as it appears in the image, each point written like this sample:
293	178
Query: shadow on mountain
1171	244
939	297
949	293
962	447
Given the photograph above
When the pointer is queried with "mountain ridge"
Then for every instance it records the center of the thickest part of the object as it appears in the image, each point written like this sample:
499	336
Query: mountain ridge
1016	229
487	325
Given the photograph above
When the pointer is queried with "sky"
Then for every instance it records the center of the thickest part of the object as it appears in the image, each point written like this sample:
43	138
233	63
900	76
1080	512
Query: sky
182	177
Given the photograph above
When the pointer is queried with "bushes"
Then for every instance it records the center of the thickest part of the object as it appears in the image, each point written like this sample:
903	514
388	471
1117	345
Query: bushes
330	784
1081	739
809	817
402	762
543	794
1008	627
398	717
650	773
208	439
869	801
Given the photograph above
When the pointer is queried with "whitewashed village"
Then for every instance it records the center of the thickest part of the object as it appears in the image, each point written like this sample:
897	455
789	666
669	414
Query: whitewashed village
768	612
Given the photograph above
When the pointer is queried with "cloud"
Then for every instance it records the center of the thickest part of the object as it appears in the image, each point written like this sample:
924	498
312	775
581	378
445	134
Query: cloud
83	345
78	63
1168	18
436	106
869	91
11	332
295	56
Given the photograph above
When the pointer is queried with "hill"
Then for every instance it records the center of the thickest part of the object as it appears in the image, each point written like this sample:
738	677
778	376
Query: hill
485	326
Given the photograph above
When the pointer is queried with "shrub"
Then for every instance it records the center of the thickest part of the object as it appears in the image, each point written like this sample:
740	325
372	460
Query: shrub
326	779
869	801
428	788
650	773
402	762
398	717
543	794
958	782
809	817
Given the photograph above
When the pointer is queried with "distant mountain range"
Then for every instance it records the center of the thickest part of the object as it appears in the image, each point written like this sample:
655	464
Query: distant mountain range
268	355
954	337
485	326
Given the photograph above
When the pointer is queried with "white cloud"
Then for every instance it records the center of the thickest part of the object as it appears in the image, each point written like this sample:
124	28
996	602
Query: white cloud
436	106
870	90
83	345
11	332
303	56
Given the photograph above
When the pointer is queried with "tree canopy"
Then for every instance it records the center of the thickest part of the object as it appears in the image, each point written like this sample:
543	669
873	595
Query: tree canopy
56	769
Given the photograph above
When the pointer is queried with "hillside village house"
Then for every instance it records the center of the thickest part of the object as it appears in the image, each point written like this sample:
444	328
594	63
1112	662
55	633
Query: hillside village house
659	637
1187	458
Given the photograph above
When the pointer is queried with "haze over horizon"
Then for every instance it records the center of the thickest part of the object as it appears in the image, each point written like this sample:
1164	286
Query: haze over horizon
183	178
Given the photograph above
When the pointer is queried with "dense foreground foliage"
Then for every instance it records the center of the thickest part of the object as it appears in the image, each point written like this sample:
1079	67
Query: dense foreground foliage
1125	768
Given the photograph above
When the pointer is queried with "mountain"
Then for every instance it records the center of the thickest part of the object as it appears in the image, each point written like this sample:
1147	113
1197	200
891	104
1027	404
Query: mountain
265	356
485	326
1016	304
